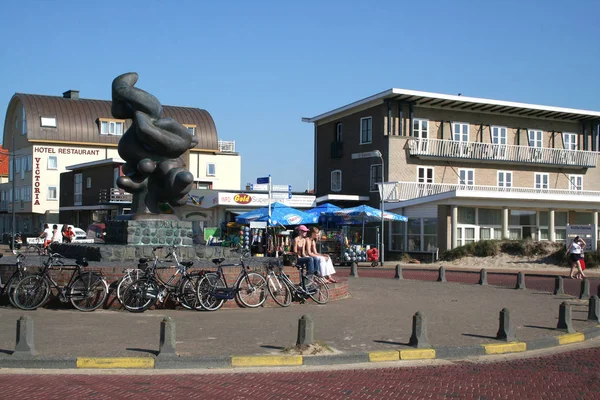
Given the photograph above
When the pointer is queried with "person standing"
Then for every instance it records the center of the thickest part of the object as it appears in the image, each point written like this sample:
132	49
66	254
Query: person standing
56	235
46	235
575	251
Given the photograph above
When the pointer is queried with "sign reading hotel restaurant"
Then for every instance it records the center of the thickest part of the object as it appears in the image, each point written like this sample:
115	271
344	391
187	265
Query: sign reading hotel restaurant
586	232
66	150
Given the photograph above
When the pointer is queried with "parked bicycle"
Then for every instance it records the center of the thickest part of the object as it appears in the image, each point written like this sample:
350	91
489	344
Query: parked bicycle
11	283
86	290
283	290
142	293
250	288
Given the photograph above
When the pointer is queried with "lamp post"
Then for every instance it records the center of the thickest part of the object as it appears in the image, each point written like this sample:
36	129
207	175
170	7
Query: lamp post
371	154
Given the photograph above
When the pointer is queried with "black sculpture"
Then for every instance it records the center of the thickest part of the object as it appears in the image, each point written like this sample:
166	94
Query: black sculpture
152	147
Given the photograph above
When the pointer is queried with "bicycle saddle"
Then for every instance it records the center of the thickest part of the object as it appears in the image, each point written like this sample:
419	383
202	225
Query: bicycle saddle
143	260
83	262
218	260
187	263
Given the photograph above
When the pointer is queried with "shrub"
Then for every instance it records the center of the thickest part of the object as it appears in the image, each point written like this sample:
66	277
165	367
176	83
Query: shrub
486	248
592	259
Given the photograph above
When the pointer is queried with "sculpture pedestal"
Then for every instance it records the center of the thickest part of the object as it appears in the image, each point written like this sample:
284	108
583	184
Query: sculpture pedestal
150	232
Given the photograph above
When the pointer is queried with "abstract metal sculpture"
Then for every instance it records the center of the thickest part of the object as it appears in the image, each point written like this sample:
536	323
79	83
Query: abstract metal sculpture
152	147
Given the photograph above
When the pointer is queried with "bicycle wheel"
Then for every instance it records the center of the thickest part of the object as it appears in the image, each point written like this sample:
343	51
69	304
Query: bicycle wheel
127	279
280	292
88	291
140	295
317	289
206	287
11	285
34	249
188	292
252	290
31	292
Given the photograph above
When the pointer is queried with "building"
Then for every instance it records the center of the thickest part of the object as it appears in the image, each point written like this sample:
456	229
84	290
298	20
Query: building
50	134
462	169
4	160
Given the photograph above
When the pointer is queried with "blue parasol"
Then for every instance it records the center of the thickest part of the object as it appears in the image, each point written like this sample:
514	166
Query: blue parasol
280	215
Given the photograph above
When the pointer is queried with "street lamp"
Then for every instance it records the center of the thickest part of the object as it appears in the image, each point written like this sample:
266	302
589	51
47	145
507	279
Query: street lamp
372	154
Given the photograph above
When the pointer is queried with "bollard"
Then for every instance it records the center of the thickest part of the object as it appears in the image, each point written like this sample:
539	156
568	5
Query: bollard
167	338
442	275
354	270
594	309
305	331
25	345
585	289
418	338
398	272
483	277
564	318
521	281
559	286
506	331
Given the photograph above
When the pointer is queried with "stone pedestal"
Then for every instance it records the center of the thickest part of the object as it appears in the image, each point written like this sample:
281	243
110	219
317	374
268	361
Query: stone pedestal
149	232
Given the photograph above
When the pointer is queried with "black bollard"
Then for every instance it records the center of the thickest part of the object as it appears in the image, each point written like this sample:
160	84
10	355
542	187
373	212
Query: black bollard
398	272
521	281
585	289
442	275
483	277
564	318
559	285
418	338
506	331
354	270
305	331
594	309
166	347
25	345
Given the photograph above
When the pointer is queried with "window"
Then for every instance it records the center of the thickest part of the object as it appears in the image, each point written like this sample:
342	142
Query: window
576	182
460	131
421	128
376	176
191	129
109	127
23	122
536	139
570	141
29	163
27	196
339	127
48	122
88	182
425	175
499	141
336	180
466	177
211	169
414	234
17	165
51	194
17	194
489	216
366	130
77	189
23	166
52	162
541	180
504	179
466	215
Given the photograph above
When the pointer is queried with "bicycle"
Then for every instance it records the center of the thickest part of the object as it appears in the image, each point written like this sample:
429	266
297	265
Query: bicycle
11	283
249	287
85	290
142	293
283	290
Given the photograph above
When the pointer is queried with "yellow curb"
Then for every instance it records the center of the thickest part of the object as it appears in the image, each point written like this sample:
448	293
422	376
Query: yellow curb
265	361
378	356
116	362
571	338
501	348
417	354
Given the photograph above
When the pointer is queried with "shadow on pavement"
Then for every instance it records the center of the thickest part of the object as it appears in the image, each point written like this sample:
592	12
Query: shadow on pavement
390	342
479	336
539	327
154	352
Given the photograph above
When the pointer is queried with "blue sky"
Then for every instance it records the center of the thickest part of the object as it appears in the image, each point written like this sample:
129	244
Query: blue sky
260	66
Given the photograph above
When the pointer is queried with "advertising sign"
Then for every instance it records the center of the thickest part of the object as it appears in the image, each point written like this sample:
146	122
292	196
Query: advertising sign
587	232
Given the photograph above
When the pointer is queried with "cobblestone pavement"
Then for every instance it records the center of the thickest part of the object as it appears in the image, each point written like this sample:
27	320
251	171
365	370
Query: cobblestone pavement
570	375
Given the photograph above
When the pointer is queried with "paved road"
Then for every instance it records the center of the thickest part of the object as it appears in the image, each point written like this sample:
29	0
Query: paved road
571	375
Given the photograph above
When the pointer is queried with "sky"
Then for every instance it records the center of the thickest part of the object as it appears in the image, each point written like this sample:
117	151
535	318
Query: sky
259	66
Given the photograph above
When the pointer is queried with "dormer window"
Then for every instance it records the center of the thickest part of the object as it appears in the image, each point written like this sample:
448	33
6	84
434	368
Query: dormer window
48	122
111	126
191	128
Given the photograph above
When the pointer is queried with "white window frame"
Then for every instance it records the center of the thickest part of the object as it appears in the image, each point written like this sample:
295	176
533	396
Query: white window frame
49	166
48	122
505	175
575	182
418	130
111	127
499	138
191	130
425	179
48	192
373	183
535	138
459	136
569	141
339	132
538	181
336	184
208	169
368	139
466	181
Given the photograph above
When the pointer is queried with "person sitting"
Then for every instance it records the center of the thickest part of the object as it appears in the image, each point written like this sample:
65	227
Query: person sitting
323	261
46	235
299	247
68	235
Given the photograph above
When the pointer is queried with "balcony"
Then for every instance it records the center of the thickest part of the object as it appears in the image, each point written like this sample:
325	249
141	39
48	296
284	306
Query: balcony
227	146
402	191
114	196
500	153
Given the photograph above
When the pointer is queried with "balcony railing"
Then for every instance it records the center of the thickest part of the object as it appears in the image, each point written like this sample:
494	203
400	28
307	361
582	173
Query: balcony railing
504	153
227	146
400	191
114	196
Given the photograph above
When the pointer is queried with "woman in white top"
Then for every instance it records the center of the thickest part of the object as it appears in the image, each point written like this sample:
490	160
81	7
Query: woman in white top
323	261
56	234
575	252
46	235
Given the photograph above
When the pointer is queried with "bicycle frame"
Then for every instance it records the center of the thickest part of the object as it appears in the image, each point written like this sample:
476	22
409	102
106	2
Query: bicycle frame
63	293
229	292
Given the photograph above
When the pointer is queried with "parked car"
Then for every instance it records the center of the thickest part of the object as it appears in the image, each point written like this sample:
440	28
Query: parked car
96	232
79	234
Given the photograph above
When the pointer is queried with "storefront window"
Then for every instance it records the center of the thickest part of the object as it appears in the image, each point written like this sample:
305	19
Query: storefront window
514	233
560	218
466	215
522	217
582	218
543	218
561	234
429	234
544	234
469	235
397	238
488	216
414	234
485	233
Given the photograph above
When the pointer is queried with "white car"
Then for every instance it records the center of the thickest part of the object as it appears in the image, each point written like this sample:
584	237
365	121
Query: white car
79	235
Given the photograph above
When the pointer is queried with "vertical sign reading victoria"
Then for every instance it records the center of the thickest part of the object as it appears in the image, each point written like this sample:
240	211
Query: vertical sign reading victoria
36	183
